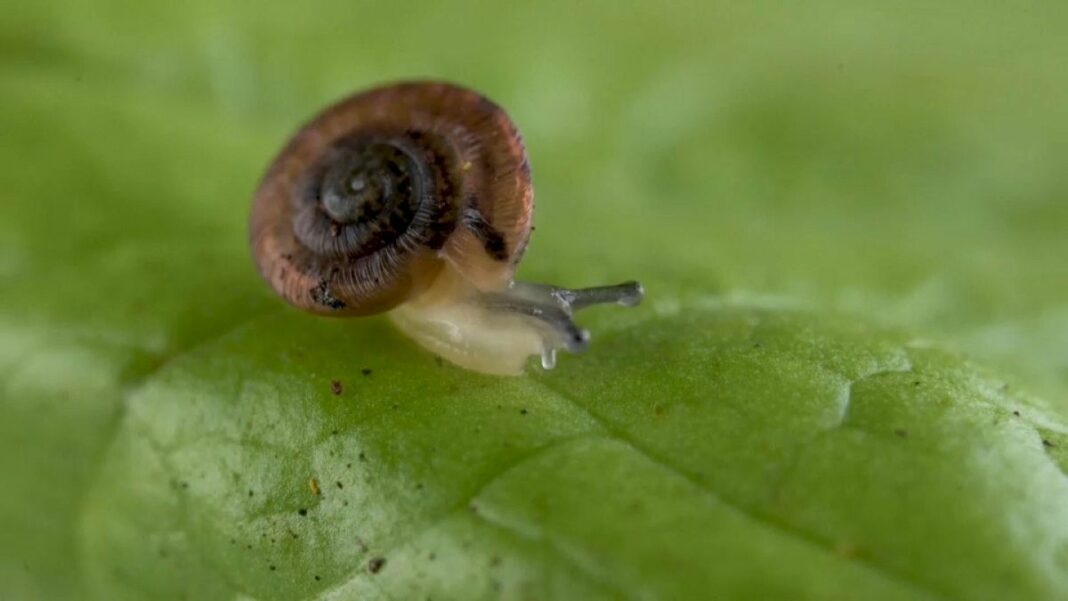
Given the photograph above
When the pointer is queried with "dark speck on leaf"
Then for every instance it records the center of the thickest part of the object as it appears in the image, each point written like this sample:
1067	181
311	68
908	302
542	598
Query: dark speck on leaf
1048	443
439	361
363	457
336	387
250	493
522	411
375	565
302	511
335	432
916	383
185	485
348	465
273	568
901	432
1016	413
366	371
396	406
432	556
847	550
339	484
317	578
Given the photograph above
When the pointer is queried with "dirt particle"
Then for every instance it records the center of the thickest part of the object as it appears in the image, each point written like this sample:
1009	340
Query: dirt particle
250	493
336	387
317	579
184	484
324	295
302	511
522	412
273	568
1048	443
846	549
915	382
339	485
1016	413
366	371
348	465
396	406
432	556
335	432
363	457
376	564
418	486
901	432
313	486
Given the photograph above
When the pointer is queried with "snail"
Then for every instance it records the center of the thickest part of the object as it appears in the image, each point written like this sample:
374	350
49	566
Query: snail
416	199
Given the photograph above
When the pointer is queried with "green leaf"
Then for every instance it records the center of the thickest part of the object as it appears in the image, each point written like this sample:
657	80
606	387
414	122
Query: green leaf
849	380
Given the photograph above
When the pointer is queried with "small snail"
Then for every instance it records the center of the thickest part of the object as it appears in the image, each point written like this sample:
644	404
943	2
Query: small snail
416	198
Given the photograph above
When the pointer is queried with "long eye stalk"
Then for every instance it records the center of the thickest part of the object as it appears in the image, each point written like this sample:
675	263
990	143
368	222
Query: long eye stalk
553	308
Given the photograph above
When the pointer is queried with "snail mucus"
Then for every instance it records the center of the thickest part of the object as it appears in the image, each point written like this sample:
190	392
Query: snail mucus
416	199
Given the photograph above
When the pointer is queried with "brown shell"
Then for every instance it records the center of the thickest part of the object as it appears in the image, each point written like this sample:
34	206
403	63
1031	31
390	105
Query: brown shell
480	201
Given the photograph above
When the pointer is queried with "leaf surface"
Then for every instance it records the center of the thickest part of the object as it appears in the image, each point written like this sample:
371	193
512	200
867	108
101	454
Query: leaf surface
848	381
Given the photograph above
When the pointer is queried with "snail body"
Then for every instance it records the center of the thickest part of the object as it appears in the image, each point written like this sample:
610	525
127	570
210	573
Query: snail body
416	199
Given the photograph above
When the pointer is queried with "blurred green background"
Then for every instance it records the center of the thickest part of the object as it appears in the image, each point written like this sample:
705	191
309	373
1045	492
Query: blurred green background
902	162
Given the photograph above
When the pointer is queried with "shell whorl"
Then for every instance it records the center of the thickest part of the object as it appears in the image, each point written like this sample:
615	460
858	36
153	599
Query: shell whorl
369	202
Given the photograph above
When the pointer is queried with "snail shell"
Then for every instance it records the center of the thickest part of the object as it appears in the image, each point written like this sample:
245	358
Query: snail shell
416	198
369	201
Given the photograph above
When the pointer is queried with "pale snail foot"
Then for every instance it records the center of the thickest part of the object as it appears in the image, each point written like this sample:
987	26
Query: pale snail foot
497	332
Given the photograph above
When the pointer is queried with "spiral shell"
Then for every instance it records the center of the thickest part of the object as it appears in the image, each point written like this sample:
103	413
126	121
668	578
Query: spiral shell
380	193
